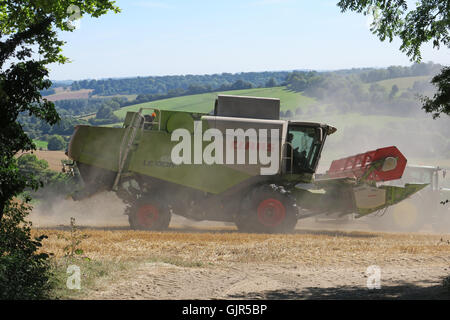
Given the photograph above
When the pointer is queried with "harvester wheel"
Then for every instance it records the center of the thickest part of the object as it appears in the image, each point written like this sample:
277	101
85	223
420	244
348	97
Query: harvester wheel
149	215
266	210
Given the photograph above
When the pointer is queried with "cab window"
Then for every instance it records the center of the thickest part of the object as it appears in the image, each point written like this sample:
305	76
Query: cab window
305	144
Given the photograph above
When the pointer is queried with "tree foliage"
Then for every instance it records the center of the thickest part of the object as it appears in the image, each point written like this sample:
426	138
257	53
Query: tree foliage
429	21
56	142
24	272
441	100
29	28
28	43
162	85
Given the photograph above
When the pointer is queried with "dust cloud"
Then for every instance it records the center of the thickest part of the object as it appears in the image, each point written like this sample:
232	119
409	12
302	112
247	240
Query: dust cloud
104	209
422	140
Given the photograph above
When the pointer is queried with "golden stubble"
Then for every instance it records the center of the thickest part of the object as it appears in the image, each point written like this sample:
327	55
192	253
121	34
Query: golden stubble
308	248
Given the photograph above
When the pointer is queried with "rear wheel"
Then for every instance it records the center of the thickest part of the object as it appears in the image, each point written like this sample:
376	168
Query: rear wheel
266	210
149	214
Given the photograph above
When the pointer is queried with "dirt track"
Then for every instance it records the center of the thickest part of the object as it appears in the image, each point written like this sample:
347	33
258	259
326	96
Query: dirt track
343	278
418	280
219	263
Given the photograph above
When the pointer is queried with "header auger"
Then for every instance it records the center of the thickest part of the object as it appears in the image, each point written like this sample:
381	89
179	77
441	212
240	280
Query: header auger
248	167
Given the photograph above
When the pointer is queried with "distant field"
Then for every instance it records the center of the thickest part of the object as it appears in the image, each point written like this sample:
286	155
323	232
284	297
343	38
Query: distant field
52	157
68	95
402	83
129	97
87	117
205	102
41	144
290	100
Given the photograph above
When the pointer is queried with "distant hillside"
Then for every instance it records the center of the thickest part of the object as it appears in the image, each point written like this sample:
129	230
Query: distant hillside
290	100
167	84
402	83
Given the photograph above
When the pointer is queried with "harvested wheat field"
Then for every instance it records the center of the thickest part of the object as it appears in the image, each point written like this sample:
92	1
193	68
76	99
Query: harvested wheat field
220	263
52	157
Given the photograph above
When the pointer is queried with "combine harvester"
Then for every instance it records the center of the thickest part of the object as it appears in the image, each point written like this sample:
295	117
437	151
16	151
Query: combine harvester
269	195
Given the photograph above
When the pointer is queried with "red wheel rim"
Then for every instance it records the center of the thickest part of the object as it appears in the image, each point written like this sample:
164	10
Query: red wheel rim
271	212
147	215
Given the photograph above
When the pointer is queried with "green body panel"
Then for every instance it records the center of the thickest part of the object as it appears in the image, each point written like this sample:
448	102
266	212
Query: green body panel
394	195
338	196
153	158
150	154
97	146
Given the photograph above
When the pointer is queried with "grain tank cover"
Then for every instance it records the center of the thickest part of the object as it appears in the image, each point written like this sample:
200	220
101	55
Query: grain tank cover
247	107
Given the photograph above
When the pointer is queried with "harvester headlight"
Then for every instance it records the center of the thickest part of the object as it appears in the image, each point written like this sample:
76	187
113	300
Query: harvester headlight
390	163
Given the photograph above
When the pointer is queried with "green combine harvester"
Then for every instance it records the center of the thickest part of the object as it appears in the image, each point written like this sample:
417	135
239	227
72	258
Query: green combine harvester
241	164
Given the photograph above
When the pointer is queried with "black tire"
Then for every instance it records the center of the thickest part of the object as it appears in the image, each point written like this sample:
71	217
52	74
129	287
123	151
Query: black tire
149	214
267	210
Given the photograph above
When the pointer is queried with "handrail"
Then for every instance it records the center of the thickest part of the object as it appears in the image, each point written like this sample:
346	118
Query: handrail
130	134
291	157
152	122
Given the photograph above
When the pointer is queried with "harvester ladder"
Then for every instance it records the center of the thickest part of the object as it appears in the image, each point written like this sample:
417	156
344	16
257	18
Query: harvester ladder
137	123
291	157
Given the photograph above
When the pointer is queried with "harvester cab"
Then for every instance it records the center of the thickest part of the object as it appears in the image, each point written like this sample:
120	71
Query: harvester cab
240	164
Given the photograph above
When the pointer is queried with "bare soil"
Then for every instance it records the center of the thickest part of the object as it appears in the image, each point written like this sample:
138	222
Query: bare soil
68	95
216	262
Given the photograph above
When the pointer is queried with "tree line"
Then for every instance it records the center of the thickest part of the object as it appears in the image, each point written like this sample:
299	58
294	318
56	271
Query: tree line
164	84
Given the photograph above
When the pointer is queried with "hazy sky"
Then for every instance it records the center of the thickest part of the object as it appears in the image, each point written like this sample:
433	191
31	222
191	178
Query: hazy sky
169	37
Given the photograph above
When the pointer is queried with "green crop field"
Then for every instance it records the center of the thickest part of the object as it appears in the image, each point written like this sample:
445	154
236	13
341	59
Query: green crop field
402	83
129	97
41	144
290	100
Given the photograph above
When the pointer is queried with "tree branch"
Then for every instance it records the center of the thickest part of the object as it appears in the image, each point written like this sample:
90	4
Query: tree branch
8	47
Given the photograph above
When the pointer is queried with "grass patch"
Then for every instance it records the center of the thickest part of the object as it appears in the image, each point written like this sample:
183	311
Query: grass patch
129	97
40	144
94	272
91	271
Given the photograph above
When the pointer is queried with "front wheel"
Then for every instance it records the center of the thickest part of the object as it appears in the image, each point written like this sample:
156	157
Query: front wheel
149	214
266	210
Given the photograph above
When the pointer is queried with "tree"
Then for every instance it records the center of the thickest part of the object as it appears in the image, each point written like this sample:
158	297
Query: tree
56	142
105	112
27	27
28	44
428	21
271	83
394	91
441	100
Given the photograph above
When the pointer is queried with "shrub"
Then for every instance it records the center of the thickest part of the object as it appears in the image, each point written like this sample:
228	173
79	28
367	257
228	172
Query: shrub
56	142
24	272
